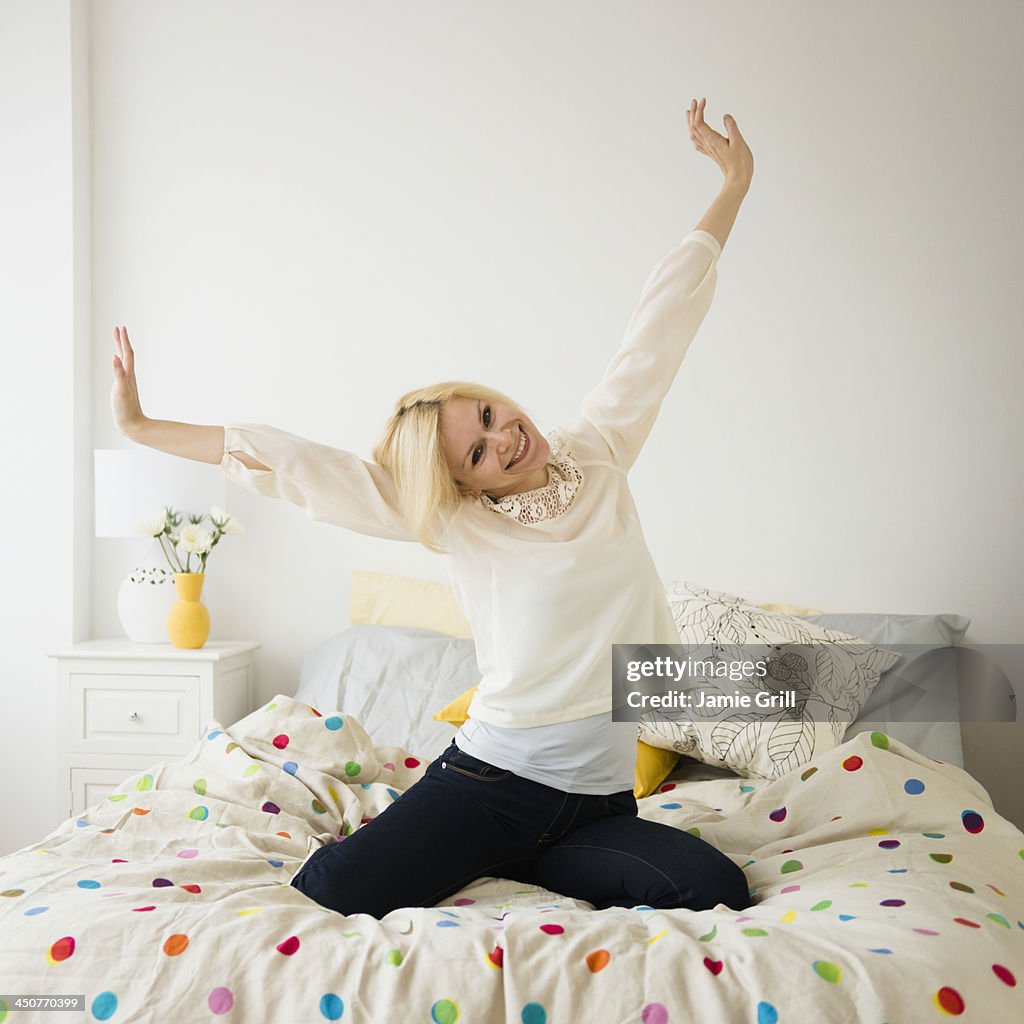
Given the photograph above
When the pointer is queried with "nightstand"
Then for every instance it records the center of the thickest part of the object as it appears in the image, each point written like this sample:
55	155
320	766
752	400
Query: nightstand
124	706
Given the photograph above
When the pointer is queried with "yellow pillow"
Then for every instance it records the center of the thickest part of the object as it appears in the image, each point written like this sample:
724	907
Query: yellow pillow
379	599
652	763
791	609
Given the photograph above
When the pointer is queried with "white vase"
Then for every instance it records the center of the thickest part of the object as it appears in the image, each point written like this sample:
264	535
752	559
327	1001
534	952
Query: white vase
143	602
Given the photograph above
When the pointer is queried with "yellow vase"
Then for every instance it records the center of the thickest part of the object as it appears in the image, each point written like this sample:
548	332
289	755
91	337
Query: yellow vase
188	621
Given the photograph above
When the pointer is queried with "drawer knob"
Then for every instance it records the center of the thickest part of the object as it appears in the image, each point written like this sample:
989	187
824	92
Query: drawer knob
133	717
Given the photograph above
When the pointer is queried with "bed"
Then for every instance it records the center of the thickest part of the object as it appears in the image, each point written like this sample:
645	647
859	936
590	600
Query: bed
885	888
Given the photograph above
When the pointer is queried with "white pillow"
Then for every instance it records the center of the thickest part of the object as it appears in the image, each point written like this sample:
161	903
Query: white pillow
391	679
834	672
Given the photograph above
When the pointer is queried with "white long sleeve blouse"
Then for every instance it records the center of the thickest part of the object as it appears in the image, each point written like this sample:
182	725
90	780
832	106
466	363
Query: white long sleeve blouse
546	599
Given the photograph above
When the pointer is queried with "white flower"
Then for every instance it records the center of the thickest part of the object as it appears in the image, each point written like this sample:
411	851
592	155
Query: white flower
229	526
194	540
232	528
154	525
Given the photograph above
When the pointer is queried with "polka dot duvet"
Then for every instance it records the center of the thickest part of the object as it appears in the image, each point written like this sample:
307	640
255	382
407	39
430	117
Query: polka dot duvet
884	887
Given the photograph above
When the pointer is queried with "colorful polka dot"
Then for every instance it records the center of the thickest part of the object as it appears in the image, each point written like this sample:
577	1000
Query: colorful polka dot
394	958
654	1013
552	929
889	844
88	883
61	950
32	911
789	866
828	971
879	739
599	960
270	807
934	835
175	945
199	813
961	886
941	858
334	723
973	822
104	1006
533	1013
281	741
199	786
754	933
290	767
331	1006
318	808
1004	974
670	807
444	1011
766	1013
913	787
779	814
804	777
250	771
12	893
220	1001
289	946
352	768
144	783
851	764
892	903
999	919
949	1001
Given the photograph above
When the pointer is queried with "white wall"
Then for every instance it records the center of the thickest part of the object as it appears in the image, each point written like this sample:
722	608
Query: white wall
44	391
301	210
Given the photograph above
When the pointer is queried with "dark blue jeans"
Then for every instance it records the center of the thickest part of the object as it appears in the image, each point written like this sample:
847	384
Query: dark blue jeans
466	818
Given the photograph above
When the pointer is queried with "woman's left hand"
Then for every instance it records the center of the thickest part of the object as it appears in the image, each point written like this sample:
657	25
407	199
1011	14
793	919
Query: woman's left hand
732	154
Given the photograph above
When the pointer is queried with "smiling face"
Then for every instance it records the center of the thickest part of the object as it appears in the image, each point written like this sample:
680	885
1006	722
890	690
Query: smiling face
492	448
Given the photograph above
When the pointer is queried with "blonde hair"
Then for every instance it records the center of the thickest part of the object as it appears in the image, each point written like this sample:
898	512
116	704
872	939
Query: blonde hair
410	452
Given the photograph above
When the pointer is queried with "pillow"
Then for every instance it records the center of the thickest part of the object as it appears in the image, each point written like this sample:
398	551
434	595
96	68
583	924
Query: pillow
390	679
790	609
899	694
834	684
382	600
652	763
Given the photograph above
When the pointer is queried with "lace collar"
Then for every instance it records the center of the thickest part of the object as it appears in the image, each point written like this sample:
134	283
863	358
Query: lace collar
550	501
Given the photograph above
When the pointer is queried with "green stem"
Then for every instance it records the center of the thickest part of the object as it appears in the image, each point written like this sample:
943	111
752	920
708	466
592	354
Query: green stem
169	555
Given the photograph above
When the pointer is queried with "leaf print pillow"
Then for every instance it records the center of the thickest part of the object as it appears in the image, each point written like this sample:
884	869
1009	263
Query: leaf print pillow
829	674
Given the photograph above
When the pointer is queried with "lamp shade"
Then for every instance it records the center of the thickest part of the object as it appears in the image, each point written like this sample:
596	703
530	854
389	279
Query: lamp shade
134	484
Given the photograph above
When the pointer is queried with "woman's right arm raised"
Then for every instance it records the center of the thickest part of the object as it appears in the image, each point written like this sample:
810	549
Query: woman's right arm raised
332	485
188	440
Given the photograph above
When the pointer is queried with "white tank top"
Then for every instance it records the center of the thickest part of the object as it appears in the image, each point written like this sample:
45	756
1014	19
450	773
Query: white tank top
588	755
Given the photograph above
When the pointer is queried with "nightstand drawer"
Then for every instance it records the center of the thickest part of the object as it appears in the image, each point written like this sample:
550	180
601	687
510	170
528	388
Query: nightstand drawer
144	714
90	786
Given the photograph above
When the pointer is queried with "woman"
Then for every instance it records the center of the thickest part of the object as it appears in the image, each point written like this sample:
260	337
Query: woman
544	550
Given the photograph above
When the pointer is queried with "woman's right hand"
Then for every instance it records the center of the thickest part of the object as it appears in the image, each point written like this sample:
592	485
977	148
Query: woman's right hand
124	395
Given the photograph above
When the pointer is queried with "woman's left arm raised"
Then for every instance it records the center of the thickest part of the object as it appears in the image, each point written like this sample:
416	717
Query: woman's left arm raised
623	407
735	161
